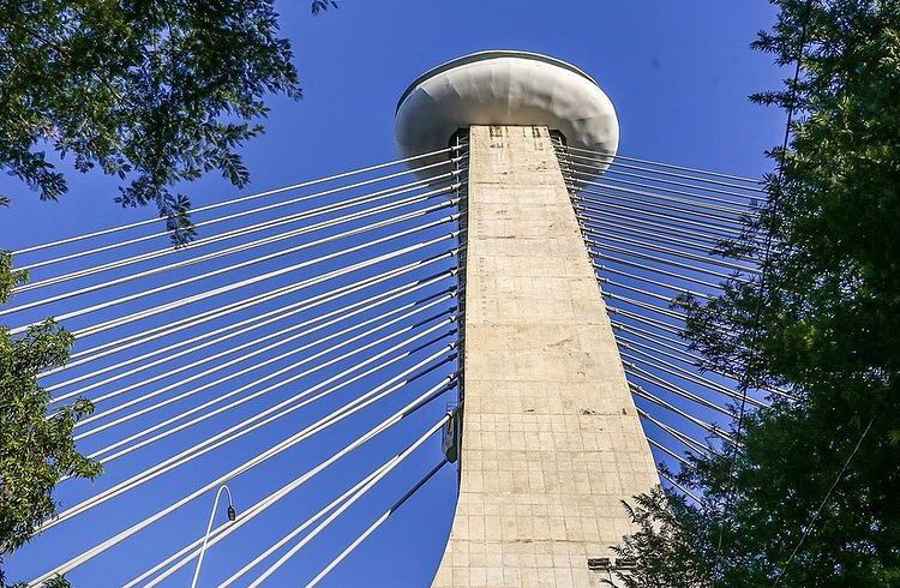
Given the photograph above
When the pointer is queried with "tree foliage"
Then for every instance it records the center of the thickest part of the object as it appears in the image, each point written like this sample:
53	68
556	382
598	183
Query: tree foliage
54	582
35	452
824	321
665	544
154	92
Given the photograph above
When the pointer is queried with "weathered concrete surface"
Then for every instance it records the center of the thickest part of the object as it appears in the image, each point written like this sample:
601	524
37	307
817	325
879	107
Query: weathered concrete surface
551	440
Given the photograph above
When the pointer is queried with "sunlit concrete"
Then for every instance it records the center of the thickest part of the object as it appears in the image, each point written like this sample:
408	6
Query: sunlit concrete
551	441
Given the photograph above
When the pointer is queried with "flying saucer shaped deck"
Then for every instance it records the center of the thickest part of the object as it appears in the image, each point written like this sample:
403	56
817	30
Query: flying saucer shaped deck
505	88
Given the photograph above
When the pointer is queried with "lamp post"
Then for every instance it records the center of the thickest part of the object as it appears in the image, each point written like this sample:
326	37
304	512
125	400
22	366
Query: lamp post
232	513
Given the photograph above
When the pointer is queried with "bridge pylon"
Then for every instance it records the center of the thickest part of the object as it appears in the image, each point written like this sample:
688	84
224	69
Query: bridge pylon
551	442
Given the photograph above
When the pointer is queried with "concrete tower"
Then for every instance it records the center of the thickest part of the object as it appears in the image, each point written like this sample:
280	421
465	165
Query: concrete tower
551	442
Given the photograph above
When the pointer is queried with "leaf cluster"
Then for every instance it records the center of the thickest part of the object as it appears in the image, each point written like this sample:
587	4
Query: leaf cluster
665	543
823	321
153	92
35	451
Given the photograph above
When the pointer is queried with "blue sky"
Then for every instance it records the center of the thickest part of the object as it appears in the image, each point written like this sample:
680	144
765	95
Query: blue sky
679	75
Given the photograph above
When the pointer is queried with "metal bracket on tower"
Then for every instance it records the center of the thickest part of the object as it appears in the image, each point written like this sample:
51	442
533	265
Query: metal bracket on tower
450	435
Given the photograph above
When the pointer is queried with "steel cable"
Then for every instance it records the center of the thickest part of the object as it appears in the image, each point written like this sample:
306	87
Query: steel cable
147	335
216	272
362	537
246	516
236	431
238	200
247	231
267	377
113	323
239	328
